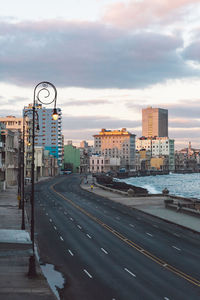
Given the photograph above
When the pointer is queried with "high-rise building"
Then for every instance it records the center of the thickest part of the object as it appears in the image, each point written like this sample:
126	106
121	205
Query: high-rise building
50	131
116	144
154	122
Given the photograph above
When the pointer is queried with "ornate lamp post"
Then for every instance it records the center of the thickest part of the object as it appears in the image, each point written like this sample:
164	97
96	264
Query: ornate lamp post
44	93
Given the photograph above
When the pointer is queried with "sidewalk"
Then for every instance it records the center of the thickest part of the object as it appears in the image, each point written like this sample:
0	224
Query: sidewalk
153	205
15	249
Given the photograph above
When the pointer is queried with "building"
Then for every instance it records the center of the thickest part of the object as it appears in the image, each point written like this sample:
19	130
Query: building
50	165
49	135
97	164
10	155
154	122
12	122
158	147
2	158
71	158
116	144
187	160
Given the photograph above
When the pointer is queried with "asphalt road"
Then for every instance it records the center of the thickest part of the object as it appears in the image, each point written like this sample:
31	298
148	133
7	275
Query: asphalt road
108	251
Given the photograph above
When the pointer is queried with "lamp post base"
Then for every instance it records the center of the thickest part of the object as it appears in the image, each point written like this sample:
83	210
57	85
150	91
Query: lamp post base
32	267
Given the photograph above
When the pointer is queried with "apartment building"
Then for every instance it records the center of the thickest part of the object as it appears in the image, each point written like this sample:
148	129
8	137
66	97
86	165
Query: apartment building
49	134
154	122
12	122
158	147
116	144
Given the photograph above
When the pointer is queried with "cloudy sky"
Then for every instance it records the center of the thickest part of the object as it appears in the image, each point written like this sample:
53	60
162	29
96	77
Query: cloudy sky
108	59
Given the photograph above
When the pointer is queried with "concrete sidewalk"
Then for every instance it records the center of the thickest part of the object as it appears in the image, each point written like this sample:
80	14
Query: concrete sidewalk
152	205
15	250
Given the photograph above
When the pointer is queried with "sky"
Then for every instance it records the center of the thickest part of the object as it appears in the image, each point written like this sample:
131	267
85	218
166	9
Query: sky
108	59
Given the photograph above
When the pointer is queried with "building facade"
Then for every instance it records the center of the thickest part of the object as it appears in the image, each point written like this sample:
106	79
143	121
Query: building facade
154	122
12	123
71	158
158	147
49	135
116	144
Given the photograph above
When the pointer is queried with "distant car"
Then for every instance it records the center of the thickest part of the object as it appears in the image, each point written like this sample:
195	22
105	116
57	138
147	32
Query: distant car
67	172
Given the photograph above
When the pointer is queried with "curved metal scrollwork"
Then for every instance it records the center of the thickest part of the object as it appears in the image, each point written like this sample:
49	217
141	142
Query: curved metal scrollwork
45	93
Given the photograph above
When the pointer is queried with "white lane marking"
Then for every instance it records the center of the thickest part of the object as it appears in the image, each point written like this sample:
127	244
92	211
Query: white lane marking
79	226
65	213
46	214
164	265
55	227
131	225
129	272
156	226
88	274
61	238
149	234
88	236
166	298
70	252
176	234
176	248
104	251
50	220
71	219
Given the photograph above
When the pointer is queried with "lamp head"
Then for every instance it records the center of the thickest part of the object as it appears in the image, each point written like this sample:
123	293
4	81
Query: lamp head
55	114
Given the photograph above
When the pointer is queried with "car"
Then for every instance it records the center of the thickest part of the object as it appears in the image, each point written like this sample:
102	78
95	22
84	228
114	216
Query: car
67	172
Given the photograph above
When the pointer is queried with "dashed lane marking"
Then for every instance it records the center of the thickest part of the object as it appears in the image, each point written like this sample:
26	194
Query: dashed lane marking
88	236
149	234
176	248
132	274
104	251
131	225
70	252
88	274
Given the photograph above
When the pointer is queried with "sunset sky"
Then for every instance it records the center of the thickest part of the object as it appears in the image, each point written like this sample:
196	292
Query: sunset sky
108	59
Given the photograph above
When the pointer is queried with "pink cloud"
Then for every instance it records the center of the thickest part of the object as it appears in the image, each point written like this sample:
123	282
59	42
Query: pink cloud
147	12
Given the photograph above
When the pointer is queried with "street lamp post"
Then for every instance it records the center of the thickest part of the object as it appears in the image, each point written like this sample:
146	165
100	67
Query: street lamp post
25	114
44	93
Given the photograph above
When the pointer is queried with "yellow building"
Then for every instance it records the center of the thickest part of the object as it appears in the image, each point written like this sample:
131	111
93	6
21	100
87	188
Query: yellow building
157	163
12	122
154	122
116	144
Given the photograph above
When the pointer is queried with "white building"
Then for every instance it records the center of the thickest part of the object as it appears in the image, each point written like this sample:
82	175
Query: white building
158	146
97	164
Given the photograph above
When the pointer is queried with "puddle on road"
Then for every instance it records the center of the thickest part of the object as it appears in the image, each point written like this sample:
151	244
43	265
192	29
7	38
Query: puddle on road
54	278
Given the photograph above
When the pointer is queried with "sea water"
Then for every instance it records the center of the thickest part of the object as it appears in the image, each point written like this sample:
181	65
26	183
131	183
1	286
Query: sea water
185	185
